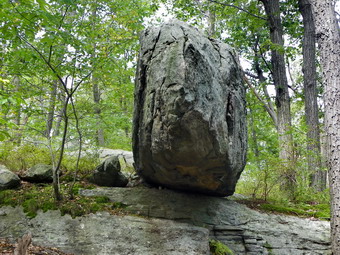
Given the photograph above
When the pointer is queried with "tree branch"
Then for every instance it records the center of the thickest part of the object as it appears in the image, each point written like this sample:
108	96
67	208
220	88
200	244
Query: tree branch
265	61
46	62
237	7
15	8
251	75
270	111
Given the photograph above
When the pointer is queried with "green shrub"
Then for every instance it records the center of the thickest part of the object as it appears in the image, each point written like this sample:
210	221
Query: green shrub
86	165
18	158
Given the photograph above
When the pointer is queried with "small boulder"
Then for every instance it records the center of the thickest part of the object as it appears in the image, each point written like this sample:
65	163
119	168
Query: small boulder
126	156
108	174
8	179
39	173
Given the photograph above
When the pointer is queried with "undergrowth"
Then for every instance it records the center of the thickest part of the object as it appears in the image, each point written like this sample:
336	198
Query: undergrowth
320	211
300	209
305	202
40	197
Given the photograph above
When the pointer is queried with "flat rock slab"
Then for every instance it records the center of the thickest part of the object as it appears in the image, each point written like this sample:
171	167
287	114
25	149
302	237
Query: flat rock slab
103	233
244	230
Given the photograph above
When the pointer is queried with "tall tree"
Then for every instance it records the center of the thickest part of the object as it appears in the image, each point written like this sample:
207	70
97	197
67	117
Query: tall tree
272	9
328	37
95	87
318	177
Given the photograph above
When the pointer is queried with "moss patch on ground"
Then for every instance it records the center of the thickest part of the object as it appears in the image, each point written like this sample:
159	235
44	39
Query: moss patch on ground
320	211
34	197
314	210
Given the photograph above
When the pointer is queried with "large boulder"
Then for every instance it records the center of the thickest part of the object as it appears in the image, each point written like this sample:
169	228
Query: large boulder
39	173
108	174
190	117
8	179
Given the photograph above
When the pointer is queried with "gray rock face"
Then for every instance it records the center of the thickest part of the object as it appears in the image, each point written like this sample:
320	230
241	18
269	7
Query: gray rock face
108	174
39	173
106	234
173	223
189	120
8	179
245	231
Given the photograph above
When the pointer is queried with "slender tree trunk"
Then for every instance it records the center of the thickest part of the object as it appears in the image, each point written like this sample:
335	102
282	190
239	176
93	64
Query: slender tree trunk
51	108
272	9
97	112
96	94
262	80
318	177
62	99
17	119
328	38
56	170
255	147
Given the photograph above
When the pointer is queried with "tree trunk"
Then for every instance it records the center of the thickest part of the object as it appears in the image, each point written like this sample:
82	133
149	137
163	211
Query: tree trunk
282	100
61	98
51	108
328	37
97	112
318	177
96	93
17	119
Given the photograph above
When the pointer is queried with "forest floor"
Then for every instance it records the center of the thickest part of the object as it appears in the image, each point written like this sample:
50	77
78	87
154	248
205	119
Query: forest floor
312	210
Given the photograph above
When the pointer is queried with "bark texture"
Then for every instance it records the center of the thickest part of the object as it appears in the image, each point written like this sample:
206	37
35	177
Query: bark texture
328	38
272	9
97	111
189	120
318	177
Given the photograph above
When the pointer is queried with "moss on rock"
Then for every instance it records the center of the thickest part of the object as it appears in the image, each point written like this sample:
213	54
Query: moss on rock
218	248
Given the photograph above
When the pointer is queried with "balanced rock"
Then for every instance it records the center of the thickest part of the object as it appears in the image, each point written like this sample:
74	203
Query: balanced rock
190	117
108	174
39	173
8	179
